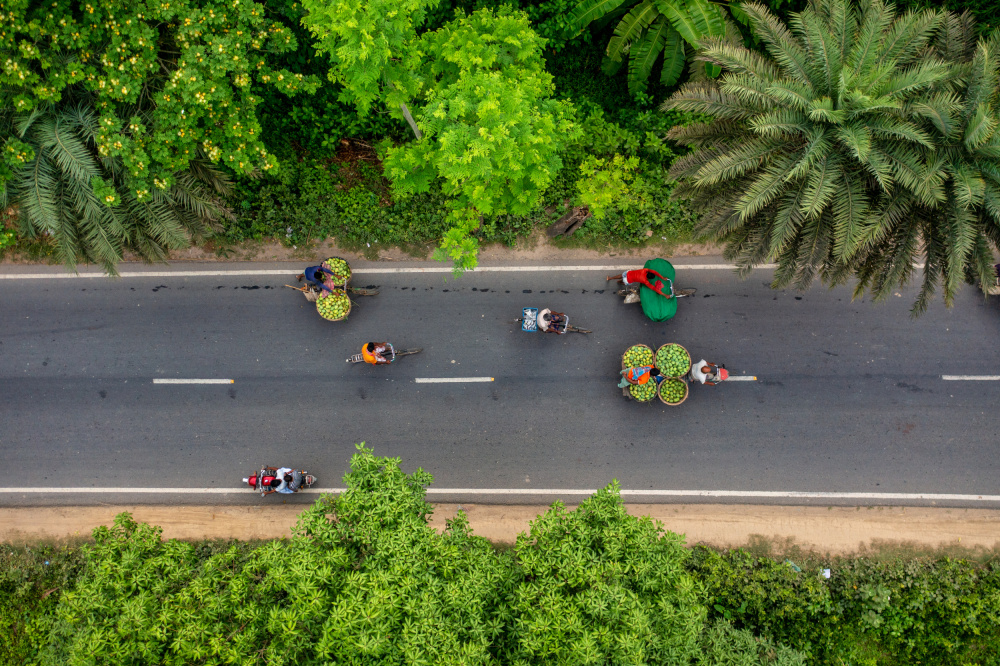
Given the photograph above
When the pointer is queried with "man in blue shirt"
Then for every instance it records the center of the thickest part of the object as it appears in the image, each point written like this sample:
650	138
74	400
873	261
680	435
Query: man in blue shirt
315	275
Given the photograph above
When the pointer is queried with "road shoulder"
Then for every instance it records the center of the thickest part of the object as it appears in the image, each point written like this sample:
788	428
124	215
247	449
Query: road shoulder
828	530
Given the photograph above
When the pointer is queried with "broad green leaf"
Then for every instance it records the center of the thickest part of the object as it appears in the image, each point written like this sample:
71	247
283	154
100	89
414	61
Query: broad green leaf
631	27
590	10
673	58
644	53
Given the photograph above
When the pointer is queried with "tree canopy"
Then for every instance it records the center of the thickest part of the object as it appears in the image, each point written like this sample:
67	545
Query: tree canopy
107	103
859	143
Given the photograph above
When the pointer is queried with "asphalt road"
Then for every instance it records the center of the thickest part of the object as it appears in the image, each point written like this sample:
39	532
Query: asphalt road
850	396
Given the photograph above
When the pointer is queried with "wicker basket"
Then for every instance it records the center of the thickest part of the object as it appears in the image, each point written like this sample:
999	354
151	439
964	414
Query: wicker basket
650	399
349	272
638	345
685	351
659	394
349	306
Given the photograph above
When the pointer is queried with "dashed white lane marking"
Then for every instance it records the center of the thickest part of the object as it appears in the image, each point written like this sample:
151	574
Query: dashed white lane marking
451	380
362	271
193	381
741	378
971	378
566	492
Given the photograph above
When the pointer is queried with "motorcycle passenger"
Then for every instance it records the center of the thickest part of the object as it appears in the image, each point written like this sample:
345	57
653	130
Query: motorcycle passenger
282	477
547	319
641	276
378	353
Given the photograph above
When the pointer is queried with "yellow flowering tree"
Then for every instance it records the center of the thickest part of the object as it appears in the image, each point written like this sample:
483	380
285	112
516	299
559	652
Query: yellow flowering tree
117	113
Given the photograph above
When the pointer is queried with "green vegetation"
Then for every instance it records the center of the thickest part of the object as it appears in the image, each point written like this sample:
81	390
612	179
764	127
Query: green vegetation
461	122
116	116
860	143
365	579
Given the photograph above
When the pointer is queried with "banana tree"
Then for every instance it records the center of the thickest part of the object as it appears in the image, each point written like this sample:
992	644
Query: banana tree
649	29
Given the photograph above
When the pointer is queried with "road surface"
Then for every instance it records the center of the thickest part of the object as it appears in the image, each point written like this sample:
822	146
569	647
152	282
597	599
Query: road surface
849	399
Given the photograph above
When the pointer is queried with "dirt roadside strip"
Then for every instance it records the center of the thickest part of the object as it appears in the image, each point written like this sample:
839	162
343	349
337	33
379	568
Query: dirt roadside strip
833	530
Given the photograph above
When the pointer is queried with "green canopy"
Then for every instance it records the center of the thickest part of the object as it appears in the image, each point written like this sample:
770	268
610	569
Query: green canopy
655	306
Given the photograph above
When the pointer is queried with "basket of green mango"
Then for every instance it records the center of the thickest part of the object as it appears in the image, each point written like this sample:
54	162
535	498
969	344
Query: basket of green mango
333	306
643	392
637	356
672	391
673	360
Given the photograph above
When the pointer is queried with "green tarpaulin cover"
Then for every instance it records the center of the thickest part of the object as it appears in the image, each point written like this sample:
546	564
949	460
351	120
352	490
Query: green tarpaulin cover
655	306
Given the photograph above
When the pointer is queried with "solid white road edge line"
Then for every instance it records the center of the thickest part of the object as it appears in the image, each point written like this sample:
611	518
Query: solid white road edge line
741	378
747	494
361	271
971	378
193	381
450	380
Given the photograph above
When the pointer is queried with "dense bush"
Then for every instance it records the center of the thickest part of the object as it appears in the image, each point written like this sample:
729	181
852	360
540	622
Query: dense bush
365	579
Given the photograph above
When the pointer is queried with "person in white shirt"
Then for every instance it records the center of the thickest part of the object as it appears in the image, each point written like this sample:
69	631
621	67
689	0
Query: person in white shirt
548	319
283	486
706	373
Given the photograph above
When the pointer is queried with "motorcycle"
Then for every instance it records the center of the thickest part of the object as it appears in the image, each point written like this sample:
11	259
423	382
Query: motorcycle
395	353
261	480
558	322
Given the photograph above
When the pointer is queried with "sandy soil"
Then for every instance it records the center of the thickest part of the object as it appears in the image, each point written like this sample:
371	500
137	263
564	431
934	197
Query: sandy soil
834	530
535	249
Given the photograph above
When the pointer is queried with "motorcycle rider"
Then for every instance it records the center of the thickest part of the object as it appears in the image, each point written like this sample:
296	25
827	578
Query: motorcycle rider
375	353
708	373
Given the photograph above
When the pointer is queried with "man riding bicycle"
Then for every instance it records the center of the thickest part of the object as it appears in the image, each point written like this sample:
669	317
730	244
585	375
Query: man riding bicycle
378	353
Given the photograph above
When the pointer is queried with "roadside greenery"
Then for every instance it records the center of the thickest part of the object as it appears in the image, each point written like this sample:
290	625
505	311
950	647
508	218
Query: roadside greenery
116	116
365	579
453	123
860	143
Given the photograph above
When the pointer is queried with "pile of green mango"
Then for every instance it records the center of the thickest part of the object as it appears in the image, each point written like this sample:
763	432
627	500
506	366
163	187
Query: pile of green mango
333	305
672	360
341	269
673	391
637	356
643	392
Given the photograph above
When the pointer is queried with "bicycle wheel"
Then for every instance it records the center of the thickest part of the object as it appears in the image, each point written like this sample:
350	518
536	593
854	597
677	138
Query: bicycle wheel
407	352
681	293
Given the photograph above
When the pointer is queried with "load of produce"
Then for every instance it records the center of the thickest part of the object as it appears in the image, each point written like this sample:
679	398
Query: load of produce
340	268
673	391
637	356
672	360
333	305
643	392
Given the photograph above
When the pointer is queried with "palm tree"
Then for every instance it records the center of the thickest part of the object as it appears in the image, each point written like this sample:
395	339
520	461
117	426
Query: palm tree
830	153
67	190
959	230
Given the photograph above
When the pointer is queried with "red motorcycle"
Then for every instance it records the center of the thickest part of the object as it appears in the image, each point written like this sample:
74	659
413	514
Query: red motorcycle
267	481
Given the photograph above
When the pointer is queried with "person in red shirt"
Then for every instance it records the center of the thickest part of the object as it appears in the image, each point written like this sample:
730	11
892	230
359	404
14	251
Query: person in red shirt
641	276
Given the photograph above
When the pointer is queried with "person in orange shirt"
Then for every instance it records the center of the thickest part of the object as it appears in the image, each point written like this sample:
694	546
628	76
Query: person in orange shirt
639	375
376	353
